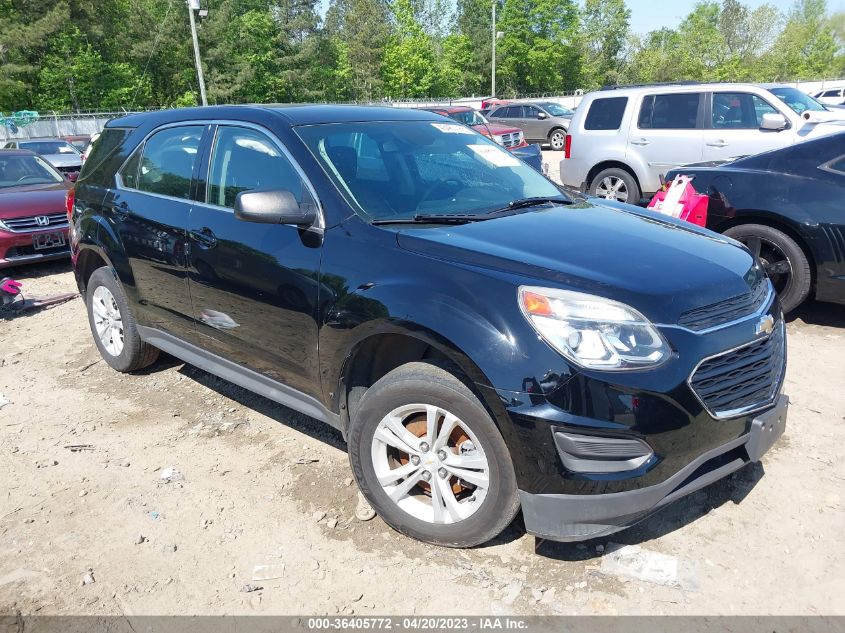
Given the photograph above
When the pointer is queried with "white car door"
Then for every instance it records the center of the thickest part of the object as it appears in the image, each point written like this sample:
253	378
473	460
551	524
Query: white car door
734	127
666	134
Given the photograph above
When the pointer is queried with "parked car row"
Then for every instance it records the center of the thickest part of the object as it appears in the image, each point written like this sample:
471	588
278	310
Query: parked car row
59	152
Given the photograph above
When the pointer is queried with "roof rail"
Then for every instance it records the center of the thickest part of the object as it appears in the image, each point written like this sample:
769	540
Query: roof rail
659	83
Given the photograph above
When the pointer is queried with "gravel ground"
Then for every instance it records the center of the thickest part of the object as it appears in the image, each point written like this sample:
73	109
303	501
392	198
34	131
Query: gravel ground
87	526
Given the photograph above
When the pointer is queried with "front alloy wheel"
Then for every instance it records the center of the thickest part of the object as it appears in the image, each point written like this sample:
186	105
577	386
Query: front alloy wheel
430	464
429	459
557	139
612	188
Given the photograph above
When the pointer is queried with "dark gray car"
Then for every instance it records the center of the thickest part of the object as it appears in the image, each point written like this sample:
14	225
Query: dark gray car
540	121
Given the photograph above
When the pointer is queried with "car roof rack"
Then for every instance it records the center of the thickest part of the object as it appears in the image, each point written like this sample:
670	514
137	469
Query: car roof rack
660	83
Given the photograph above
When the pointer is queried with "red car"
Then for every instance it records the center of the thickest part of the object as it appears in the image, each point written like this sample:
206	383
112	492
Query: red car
33	216
510	138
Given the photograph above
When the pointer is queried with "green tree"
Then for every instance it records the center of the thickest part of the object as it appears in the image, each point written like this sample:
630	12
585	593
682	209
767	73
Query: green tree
604	34
364	28
806	47
409	65
538	52
473	21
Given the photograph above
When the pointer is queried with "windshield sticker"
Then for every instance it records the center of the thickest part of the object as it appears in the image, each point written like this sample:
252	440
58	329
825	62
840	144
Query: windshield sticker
452	128
494	155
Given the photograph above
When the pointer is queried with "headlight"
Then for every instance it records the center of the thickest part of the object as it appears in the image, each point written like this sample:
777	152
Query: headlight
498	138
591	331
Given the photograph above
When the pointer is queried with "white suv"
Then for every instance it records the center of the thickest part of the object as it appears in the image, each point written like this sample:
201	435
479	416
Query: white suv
622	140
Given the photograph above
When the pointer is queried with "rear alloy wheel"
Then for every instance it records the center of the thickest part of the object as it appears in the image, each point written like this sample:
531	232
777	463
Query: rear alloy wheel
557	139
783	260
615	184
113	325
429	459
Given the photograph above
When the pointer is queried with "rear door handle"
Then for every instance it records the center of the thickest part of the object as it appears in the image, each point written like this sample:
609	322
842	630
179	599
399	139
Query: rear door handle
641	141
204	237
719	143
121	210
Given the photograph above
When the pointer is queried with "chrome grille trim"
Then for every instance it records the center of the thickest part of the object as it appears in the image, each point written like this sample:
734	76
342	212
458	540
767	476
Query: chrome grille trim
30	224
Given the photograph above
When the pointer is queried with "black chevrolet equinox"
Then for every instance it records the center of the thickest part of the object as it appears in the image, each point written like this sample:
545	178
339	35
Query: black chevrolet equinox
483	341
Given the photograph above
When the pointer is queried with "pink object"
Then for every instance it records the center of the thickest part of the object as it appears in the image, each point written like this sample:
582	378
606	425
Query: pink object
680	200
10	286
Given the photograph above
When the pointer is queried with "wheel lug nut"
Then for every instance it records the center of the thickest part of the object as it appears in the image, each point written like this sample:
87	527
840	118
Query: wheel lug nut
424	447
415	460
443	473
441	455
426	475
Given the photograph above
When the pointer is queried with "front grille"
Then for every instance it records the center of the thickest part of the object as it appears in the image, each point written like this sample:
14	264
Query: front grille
27	225
511	139
722	312
743	379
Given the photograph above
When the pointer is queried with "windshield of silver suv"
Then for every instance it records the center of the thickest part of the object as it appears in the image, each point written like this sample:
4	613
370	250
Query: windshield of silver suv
403	169
798	101
558	110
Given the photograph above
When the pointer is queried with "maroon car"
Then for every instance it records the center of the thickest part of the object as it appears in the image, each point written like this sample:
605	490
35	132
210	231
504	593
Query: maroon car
33	216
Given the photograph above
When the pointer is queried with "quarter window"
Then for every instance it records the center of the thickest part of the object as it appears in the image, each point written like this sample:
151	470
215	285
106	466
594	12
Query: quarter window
243	160
669	111
606	113
168	161
739	111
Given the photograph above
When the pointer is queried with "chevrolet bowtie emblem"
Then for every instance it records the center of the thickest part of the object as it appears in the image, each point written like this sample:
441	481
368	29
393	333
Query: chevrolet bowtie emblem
765	325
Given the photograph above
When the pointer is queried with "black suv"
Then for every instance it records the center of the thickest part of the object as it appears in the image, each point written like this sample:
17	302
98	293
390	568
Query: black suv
483	341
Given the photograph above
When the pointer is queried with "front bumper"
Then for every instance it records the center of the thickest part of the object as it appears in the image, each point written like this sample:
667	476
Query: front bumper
17	248
565	517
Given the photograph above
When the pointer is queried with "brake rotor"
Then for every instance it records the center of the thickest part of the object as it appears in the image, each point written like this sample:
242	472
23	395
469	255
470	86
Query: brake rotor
418	425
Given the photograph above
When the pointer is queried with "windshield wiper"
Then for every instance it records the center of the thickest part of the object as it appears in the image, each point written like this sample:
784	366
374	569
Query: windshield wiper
464	218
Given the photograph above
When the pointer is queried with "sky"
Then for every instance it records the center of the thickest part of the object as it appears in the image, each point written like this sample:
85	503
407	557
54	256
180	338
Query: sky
648	15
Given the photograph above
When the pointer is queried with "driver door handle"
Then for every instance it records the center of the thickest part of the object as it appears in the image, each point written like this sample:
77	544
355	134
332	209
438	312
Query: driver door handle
204	237
718	143
640	141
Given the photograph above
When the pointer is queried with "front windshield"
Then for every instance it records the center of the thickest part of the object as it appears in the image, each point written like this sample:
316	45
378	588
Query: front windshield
49	147
468	117
799	101
17	170
558	110
400	169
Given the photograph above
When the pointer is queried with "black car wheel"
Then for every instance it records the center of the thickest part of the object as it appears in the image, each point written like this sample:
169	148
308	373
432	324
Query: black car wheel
113	326
784	261
557	138
615	184
430	460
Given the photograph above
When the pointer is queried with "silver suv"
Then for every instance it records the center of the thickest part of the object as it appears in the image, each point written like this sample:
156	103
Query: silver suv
622	140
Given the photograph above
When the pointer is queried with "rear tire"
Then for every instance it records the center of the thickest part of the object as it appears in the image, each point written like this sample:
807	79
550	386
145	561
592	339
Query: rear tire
615	184
114	328
783	259
557	139
448	429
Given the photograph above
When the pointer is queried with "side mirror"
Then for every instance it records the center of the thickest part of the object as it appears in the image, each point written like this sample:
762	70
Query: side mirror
773	121
542	115
273	206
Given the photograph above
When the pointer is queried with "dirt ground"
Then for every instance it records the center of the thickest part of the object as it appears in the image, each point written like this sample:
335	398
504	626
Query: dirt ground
266	486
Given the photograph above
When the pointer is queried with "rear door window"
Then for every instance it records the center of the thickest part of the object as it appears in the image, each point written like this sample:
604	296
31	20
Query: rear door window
168	161
670	111
606	113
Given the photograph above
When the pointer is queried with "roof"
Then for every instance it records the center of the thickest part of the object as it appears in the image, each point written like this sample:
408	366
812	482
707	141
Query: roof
39	139
681	86
17	152
448	109
292	114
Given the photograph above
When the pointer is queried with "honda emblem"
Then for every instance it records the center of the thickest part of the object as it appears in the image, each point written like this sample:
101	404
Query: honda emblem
42	220
765	325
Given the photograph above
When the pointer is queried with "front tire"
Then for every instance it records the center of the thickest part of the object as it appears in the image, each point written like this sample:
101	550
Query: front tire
113	326
429	459
782	258
615	184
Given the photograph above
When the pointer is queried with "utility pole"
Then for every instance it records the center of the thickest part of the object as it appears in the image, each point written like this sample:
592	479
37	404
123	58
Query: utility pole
493	67
192	5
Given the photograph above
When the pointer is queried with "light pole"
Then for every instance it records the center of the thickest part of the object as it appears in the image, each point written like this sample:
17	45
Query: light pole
194	5
493	67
